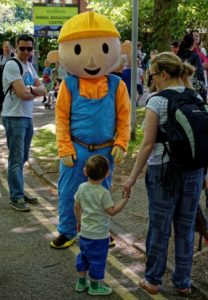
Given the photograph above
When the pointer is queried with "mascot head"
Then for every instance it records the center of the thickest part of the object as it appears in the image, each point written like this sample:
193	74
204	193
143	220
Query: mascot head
89	45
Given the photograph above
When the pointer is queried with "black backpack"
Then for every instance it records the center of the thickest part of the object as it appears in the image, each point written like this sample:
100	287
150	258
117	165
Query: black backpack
186	130
2	94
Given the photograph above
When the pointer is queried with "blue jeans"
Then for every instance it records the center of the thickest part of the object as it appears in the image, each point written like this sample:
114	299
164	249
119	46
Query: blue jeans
165	208
19	132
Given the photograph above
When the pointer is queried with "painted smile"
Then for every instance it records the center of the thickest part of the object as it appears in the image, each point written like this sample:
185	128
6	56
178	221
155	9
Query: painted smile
92	72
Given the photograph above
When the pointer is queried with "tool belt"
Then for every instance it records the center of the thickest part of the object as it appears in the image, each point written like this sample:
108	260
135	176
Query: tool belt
93	147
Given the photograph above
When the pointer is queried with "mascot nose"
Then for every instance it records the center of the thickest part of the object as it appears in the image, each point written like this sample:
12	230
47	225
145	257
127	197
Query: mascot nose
92	62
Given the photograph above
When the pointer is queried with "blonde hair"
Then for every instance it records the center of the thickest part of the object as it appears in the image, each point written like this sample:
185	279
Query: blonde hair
172	64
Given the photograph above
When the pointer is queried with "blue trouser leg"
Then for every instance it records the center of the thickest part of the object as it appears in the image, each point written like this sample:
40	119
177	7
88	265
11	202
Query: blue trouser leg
163	209
19	132
69	181
184	224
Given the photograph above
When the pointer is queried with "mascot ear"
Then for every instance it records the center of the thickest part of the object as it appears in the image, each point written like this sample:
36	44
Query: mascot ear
53	56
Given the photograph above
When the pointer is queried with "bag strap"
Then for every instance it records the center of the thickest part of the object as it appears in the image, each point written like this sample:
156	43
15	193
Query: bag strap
21	72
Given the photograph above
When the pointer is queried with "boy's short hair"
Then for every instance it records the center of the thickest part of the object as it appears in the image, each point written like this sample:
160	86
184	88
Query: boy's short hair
97	167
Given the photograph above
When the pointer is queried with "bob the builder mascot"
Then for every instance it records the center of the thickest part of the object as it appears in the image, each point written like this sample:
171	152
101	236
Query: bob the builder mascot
92	109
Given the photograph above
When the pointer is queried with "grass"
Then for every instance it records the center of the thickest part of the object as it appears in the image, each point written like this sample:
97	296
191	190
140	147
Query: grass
44	144
134	145
44	140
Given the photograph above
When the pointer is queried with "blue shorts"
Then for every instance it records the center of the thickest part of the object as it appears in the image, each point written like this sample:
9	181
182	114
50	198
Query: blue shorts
93	257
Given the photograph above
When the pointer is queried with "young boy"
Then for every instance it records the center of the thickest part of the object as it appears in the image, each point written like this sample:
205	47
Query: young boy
93	206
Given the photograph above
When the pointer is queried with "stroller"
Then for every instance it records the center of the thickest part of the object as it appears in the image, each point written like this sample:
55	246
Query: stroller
51	100
52	94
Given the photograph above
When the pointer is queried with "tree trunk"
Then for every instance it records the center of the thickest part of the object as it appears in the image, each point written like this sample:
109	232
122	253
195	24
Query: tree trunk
165	20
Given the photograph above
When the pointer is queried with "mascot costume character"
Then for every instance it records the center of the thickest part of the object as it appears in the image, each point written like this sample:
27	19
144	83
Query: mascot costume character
92	109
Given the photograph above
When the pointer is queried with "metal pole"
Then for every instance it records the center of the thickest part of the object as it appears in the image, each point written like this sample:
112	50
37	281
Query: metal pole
134	66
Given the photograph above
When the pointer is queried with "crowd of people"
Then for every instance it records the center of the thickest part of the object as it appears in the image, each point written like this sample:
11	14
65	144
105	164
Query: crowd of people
88	148
189	49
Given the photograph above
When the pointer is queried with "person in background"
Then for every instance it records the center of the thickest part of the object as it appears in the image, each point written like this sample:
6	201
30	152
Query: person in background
140	54
201	51
17	118
174	47
126	73
186	53
196	48
165	208
93	208
140	81
153	52
7	53
46	77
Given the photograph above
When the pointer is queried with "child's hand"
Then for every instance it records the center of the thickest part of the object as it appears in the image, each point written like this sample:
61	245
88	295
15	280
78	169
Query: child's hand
127	185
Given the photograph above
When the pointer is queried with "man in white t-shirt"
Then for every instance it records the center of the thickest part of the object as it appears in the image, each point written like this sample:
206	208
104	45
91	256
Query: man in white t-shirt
16	114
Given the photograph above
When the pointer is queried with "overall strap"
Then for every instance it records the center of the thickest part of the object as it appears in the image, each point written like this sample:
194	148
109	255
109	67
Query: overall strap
72	83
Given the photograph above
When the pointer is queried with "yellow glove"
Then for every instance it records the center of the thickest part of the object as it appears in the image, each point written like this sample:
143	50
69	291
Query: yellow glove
68	160
118	154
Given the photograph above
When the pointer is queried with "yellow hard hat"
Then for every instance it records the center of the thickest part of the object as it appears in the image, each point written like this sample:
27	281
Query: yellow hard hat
87	25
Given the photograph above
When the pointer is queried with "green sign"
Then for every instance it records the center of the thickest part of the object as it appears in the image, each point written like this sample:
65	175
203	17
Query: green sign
53	15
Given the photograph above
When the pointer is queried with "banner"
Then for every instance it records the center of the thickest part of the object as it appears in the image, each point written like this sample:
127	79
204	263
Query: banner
49	18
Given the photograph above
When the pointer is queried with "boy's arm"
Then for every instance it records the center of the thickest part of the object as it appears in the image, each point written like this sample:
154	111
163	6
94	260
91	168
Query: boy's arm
113	210
78	214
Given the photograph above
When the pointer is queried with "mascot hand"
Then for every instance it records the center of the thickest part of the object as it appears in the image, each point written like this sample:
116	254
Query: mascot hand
68	160
118	154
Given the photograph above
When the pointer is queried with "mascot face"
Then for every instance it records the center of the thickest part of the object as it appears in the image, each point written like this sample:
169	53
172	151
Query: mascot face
90	58
89	45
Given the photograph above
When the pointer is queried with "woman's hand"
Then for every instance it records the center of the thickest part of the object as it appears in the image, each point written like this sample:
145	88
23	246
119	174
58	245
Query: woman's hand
127	185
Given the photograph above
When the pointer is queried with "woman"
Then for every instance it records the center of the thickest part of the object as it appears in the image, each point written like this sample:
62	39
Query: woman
167	71
186	53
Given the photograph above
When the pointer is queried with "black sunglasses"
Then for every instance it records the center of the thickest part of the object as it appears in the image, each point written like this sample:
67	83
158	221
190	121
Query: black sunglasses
29	49
156	73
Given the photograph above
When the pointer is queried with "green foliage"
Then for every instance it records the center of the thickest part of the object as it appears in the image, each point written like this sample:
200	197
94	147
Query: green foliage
135	144
45	45
15	18
160	21
157	27
44	144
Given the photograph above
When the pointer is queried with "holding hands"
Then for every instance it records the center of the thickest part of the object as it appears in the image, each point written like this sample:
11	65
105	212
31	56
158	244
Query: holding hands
127	185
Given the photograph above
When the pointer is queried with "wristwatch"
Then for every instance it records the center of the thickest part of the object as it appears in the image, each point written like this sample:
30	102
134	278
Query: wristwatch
31	90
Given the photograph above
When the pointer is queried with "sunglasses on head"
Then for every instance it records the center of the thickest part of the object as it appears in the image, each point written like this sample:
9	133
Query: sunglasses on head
29	49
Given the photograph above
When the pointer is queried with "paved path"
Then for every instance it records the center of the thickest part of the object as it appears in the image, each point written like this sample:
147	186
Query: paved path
130	224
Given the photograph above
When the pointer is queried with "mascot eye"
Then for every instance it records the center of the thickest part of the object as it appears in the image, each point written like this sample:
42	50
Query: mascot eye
105	48
77	49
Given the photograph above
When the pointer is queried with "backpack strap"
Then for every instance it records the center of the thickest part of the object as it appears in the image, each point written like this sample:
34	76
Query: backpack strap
21	72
